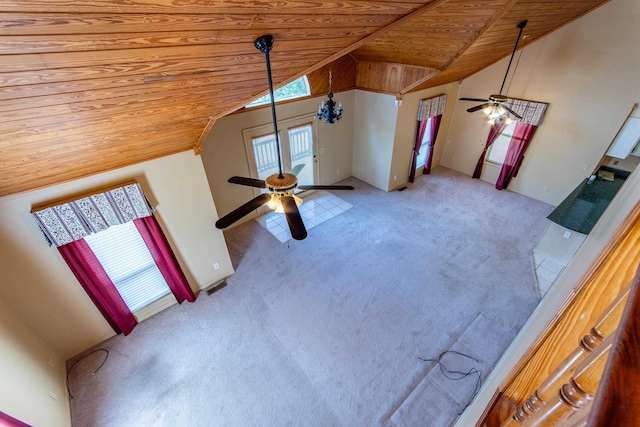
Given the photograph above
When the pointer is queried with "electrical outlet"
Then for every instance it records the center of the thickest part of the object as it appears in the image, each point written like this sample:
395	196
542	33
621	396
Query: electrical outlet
216	266
395	177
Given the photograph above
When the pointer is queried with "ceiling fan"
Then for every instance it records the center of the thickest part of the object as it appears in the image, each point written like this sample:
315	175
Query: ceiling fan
494	106
281	184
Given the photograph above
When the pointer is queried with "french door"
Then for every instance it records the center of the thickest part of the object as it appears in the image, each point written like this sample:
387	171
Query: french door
297	137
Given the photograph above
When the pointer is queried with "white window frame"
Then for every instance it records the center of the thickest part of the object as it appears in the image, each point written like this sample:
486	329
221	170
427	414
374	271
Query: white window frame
266	99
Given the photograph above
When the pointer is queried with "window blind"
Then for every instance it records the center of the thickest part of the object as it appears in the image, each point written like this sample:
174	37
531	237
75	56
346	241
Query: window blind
128	263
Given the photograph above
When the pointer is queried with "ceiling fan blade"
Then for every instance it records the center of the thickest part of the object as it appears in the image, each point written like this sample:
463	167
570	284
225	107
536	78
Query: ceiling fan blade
478	107
473	99
516	115
243	210
291	212
251	182
326	187
296	169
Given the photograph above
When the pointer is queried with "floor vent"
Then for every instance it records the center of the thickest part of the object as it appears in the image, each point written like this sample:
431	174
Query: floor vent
216	287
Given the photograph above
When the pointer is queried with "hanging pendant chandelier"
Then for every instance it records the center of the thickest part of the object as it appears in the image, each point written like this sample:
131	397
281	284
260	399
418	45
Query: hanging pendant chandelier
328	109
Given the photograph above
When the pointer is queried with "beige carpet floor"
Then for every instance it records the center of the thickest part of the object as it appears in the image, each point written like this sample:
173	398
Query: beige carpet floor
337	329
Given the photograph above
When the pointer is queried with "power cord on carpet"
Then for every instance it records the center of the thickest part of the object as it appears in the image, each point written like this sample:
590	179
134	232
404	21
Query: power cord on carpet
82	358
458	375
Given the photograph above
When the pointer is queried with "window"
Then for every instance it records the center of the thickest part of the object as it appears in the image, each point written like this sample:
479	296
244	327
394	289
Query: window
424	146
498	150
296	89
128	263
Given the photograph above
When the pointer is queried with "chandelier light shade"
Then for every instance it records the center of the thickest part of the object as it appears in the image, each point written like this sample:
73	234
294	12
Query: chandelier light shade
328	111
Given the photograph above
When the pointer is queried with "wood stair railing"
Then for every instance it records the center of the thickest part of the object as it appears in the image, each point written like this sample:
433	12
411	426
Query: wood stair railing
597	382
610	355
551	386
617	401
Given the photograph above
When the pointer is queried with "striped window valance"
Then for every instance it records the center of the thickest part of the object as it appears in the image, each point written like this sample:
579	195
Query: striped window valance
431	107
72	220
532	112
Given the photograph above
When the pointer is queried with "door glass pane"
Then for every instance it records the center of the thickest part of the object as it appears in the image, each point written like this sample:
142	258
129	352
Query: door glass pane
301	150
265	152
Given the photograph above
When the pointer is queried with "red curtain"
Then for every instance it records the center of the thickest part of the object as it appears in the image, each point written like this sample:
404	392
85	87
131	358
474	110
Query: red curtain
166	261
95	281
9	421
435	126
422	125
494	133
519	142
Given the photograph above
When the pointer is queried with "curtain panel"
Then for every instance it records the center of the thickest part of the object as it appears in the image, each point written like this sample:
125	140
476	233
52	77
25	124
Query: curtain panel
495	131
95	281
72	220
522	136
431	107
164	258
422	126
428	109
435	126
9	421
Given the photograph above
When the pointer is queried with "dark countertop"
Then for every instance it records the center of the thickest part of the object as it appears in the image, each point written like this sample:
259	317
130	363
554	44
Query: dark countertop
583	207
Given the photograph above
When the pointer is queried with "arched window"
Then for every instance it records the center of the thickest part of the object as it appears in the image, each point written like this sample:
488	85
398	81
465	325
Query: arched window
296	89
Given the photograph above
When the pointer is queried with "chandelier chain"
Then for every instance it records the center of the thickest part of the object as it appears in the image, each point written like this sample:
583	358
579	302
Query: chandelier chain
330	79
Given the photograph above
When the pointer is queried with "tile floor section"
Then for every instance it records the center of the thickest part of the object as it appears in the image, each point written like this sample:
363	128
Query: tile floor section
547	272
316	208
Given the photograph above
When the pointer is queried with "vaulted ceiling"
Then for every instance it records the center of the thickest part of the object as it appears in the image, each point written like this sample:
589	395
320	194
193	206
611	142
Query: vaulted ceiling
93	85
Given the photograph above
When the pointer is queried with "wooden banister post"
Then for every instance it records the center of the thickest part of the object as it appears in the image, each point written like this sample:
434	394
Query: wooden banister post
618	397
605	327
576	393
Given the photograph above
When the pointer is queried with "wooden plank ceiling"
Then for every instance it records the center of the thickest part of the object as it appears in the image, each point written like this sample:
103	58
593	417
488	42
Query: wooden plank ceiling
93	85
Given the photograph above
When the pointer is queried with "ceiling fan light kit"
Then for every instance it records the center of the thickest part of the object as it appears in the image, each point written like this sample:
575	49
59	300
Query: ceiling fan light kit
280	185
494	107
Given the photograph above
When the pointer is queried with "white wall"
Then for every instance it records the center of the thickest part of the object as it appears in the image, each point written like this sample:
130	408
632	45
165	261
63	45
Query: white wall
405	131
373	137
224	154
592	87
28	377
38	285
587	71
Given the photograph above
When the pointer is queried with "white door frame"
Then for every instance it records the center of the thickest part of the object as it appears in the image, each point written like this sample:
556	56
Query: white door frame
283	127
